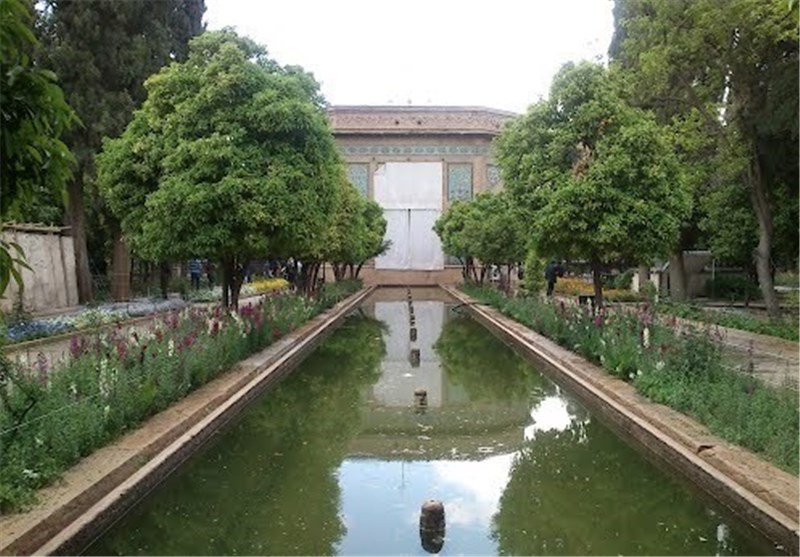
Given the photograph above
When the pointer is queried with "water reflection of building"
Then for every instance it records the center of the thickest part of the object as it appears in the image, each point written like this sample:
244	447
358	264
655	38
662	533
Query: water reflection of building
455	425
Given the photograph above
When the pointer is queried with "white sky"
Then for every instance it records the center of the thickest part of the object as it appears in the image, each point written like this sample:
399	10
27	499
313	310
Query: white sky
499	54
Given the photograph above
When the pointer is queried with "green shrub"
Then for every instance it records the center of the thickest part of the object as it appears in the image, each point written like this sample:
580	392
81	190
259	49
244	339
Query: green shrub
784	328
683	370
533	281
732	287
622	281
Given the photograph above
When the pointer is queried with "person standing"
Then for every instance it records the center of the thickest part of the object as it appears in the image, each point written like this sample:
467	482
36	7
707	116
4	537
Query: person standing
551	273
195	270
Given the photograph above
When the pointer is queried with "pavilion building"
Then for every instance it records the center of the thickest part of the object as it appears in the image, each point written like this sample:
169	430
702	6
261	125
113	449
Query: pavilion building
415	161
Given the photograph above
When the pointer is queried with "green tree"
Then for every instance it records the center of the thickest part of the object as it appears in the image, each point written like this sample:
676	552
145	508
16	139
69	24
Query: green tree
102	52
497	233
34	162
735	64
230	157
595	178
356	234
488	229
454	232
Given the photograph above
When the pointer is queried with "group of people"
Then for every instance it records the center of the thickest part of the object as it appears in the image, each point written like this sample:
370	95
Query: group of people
287	269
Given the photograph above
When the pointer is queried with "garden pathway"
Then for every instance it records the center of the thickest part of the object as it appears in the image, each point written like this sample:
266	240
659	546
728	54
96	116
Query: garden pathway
774	360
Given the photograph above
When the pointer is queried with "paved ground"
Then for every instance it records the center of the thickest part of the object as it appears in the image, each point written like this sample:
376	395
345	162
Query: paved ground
774	360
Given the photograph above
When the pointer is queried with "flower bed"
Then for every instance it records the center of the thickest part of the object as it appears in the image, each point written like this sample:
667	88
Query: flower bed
571	286
681	368
50	419
30	329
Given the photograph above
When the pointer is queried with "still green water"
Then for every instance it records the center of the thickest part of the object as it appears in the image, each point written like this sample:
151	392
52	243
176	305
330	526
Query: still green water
337	460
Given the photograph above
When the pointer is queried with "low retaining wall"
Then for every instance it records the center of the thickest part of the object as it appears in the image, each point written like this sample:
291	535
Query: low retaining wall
761	494
103	486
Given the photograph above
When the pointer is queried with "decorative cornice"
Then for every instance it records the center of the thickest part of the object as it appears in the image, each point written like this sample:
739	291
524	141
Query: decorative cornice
414	150
407	120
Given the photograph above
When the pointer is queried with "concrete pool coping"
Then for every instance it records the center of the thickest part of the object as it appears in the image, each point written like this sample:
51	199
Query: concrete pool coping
100	488
763	495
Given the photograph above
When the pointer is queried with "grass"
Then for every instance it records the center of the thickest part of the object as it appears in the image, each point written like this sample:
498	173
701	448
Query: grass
683	371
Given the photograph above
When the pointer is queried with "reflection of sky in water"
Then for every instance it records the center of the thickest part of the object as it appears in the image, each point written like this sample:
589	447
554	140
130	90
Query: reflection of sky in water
551	413
381	499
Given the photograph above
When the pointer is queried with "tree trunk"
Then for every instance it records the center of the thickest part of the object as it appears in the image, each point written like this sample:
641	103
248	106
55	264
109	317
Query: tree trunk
597	282
677	276
762	254
227	276
644	275
77	218
120	265
165	273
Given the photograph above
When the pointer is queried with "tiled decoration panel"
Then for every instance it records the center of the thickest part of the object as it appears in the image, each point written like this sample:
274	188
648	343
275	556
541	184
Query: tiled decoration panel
358	174
459	181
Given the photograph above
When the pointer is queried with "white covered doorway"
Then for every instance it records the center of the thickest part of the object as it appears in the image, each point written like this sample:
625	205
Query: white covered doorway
411	196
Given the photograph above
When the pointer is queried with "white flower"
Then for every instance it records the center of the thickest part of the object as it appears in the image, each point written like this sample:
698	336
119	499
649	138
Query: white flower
660	365
73	389
646	337
106	410
28	473
171	348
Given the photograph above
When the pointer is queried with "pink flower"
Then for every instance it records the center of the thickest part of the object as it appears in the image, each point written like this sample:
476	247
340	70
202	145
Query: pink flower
76	346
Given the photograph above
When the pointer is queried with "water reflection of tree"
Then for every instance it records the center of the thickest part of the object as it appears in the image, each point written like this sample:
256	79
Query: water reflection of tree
598	496
268	486
487	369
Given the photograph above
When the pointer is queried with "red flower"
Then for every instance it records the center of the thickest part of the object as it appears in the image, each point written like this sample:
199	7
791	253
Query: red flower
121	350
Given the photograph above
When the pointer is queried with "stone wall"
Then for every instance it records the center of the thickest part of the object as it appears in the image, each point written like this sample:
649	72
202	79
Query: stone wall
50	283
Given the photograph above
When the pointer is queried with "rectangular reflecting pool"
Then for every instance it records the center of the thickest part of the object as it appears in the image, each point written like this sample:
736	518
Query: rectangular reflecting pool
339	458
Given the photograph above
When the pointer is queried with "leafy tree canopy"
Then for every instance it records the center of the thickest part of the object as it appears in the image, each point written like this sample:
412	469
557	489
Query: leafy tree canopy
230	157
596	178
735	65
34	161
357	231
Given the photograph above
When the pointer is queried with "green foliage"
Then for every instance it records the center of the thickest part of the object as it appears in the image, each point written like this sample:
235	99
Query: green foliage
684	371
786	328
34	162
732	287
622	281
230	157
269	451
487	228
102	53
357	231
533	281
740	96
52	418
596	178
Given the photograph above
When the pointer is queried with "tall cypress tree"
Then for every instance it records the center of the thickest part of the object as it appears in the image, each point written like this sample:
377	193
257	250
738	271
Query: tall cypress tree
102	52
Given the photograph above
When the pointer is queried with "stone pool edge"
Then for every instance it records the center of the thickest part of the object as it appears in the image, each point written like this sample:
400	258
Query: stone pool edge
761	494
103	486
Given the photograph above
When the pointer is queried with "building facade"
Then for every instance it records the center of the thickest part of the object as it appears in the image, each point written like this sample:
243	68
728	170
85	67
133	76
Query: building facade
414	161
